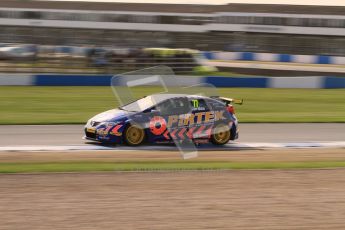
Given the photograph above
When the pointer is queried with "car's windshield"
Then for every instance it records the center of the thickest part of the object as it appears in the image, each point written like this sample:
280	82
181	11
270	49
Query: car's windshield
141	104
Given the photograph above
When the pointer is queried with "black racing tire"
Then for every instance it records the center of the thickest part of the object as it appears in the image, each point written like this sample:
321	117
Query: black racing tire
221	134
134	135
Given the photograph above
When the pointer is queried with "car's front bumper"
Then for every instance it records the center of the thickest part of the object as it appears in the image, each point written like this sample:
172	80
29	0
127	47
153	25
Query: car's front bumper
90	133
89	138
101	135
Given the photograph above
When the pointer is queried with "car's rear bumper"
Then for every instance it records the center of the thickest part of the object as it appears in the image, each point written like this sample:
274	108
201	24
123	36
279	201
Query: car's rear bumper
235	132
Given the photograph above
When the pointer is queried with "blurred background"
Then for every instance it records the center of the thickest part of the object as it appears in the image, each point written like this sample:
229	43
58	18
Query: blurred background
57	59
87	37
231	45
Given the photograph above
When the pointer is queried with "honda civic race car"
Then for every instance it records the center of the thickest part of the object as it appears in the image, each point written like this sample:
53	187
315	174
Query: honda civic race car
166	118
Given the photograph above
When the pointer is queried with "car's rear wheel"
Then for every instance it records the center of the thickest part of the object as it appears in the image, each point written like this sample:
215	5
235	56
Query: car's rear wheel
221	134
134	135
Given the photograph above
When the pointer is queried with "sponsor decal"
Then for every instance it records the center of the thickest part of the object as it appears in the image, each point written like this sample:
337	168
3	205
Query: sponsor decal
184	133
106	138
101	132
115	130
166	135
158	125
195	103
188	126
104	131
196	118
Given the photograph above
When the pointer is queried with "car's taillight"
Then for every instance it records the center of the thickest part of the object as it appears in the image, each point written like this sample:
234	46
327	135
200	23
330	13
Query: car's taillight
231	109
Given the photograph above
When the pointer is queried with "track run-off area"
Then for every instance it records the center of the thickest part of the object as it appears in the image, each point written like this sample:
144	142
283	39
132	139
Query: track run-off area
283	187
252	135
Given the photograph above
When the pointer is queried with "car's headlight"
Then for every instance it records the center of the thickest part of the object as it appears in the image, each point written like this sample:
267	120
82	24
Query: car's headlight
94	123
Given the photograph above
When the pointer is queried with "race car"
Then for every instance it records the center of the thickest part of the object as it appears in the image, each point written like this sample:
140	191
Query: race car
167	118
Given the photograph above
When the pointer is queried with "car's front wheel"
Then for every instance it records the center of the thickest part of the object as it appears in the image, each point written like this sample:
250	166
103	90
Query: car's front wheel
221	134
134	135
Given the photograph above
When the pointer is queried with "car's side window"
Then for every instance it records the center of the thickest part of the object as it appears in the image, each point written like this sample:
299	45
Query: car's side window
174	106
163	107
216	105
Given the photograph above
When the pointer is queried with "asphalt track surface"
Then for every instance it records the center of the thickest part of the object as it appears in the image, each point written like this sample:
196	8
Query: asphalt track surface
17	135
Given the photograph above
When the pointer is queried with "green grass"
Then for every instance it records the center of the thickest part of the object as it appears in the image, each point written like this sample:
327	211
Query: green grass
220	74
161	166
65	105
289	105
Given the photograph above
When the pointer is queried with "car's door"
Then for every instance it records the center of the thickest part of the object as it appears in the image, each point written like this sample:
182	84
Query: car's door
166	119
201	125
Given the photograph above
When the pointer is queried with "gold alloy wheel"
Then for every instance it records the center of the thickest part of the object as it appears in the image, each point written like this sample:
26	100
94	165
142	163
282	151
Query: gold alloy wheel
134	135
221	134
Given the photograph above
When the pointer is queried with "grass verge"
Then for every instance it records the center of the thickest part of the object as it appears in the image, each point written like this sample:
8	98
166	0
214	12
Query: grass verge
158	166
75	105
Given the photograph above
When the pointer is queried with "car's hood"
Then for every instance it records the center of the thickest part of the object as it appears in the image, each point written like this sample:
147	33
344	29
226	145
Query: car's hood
110	115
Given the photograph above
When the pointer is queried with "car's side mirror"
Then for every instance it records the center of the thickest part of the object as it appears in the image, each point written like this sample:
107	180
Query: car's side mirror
154	111
151	111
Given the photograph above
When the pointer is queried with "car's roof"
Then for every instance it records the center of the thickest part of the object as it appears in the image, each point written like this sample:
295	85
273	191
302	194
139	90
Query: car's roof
174	95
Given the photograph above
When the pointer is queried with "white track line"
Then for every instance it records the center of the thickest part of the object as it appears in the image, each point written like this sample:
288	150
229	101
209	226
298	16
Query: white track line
248	145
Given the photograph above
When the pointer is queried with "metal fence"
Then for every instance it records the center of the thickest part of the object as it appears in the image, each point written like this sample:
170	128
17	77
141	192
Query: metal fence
93	65
208	41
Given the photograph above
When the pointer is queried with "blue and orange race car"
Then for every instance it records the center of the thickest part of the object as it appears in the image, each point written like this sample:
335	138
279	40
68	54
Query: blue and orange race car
166	118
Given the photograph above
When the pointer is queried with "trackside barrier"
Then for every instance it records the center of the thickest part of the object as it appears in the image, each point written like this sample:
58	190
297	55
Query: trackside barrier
334	82
72	80
317	82
271	57
251	82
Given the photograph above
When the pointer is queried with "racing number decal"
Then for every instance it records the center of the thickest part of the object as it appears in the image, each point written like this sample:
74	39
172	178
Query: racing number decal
195	103
158	125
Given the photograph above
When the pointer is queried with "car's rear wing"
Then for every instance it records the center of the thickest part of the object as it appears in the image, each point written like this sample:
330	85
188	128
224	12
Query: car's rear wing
228	101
